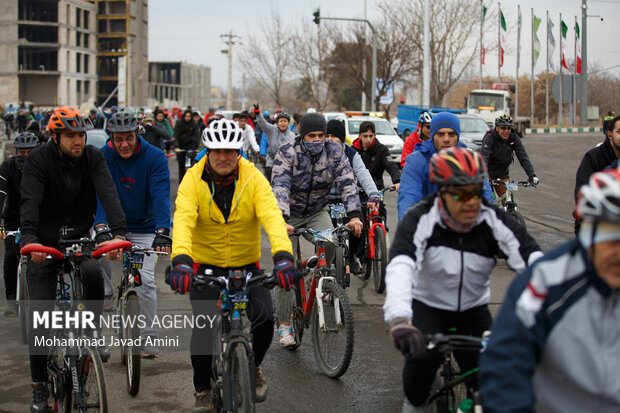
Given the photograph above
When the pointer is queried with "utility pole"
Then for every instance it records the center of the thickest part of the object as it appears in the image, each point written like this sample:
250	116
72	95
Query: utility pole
499	43
230	42
583	106
532	79
481	46
364	64
547	78
560	103
426	73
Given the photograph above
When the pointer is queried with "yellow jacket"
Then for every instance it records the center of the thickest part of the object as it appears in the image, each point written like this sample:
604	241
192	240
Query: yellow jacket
201	232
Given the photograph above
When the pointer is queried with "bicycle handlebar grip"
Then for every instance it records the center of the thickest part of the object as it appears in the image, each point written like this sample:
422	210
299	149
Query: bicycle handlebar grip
30	248
124	245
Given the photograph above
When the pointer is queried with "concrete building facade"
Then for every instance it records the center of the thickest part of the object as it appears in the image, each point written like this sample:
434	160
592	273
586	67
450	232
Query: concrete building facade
49	49
179	84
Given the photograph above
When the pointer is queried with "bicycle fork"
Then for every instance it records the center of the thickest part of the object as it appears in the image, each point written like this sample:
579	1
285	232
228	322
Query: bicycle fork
320	294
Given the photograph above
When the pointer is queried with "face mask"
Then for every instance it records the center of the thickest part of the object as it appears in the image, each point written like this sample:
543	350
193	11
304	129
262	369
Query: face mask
19	162
314	148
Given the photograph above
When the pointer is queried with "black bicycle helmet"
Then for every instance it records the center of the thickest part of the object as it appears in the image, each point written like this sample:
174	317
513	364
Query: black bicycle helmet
26	140
122	122
504	120
283	115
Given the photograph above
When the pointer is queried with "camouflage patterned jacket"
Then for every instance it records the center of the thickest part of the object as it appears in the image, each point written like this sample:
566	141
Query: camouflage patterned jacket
302	182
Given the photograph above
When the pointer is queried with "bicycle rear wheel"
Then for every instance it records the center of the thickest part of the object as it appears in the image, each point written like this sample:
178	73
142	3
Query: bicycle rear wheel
59	380
366	261
380	262
333	344
242	385
92	381
131	354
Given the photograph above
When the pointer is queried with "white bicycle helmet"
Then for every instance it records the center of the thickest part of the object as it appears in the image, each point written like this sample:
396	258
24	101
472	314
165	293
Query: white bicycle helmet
425	117
599	200
222	134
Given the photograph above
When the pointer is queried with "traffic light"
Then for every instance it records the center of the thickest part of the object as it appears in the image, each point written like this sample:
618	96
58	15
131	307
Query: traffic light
317	16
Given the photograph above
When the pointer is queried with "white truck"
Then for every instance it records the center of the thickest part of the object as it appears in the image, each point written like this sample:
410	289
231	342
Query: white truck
492	103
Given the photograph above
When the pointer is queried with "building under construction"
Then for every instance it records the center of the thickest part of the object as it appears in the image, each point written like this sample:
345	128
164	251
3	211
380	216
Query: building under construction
179	84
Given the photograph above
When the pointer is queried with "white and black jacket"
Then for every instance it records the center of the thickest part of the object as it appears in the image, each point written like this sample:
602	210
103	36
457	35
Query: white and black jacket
449	270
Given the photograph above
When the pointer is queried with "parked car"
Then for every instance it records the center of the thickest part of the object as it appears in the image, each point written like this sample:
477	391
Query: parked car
473	129
384	130
96	137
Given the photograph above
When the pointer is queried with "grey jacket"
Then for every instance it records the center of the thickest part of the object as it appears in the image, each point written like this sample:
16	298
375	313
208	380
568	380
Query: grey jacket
361	174
275	138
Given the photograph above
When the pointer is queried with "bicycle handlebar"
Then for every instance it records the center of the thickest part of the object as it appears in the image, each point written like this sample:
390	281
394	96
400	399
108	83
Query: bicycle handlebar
448	342
124	245
30	248
147	251
496	182
219	283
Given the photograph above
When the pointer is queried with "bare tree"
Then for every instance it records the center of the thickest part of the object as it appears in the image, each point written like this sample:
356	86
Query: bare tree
267	60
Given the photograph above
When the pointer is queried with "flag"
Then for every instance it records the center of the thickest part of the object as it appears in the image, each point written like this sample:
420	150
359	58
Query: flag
578	47
537	21
484	49
551	43
563	43
503	38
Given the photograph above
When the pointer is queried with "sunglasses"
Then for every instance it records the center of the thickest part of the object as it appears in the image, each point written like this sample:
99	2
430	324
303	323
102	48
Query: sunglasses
505	128
464	196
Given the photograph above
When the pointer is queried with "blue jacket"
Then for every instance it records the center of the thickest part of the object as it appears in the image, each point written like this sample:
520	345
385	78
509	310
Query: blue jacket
143	186
415	182
264	144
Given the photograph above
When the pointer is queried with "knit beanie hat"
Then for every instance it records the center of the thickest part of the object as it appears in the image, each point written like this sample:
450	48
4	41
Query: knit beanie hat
312	122
445	120
336	127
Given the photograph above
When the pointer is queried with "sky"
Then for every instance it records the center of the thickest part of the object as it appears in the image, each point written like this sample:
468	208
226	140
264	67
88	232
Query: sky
191	30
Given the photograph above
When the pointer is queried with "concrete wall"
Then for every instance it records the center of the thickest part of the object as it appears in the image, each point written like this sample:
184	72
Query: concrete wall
9	85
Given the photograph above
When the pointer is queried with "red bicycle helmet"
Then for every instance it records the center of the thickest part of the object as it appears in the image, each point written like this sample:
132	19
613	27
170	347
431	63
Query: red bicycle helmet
65	119
457	167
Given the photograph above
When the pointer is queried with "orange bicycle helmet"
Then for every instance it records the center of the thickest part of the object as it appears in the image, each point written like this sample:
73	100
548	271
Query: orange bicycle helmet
65	119
457	167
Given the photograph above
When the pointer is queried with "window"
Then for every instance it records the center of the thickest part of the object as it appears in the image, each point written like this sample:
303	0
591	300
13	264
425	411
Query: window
78	87
86	63
86	16
87	87
78	38
78	17
86	36
78	62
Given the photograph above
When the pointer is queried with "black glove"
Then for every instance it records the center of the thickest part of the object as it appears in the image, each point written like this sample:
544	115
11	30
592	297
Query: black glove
102	233
181	275
162	239
534	180
407	338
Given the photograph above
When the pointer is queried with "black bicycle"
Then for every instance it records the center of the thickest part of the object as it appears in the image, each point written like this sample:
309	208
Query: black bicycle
507	201
233	358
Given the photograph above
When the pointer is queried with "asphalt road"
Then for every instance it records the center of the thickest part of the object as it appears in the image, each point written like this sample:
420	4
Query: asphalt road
373	382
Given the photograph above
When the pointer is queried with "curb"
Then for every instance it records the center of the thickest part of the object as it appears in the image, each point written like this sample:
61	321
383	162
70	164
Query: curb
561	130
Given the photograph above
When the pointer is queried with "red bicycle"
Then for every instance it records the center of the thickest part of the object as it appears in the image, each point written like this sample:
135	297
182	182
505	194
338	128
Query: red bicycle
375	245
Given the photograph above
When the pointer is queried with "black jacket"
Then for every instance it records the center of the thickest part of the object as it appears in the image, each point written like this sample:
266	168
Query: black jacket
498	154
57	192
154	134
376	158
596	159
10	180
187	134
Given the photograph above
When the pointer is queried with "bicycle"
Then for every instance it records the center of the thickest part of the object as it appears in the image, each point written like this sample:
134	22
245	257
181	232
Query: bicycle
375	256
453	387
340	239
323	306
507	201
233	367
21	292
128	307
75	372
190	156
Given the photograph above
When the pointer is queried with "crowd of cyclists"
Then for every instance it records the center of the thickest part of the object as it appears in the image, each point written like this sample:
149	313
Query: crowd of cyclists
449	236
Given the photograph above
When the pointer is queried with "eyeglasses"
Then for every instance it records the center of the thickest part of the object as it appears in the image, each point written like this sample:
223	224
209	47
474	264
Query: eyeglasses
464	196
119	140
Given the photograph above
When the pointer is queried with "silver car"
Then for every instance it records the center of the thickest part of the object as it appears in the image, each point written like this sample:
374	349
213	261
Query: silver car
96	137
473	129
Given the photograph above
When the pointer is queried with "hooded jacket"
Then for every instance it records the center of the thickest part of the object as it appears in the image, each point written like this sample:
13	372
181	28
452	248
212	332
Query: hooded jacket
187	134
595	160
376	159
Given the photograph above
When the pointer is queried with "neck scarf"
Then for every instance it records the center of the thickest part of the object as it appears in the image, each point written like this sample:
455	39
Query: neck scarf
450	222
222	182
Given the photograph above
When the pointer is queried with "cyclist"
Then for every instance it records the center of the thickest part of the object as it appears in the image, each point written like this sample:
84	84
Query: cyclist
140	173
60	185
498	148
440	265
304	171
10	180
154	134
277	135
445	131
249	140
186	137
554	346
420	135
336	133
226	194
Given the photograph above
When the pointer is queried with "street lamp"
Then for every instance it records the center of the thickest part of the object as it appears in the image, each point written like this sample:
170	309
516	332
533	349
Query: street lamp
373	84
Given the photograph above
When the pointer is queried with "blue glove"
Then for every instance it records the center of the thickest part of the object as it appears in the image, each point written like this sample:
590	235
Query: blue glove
180	278
286	274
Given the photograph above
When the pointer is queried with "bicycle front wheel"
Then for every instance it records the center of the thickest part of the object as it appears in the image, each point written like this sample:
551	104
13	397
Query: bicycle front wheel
447	398
92	382
380	262
340	266
517	215
333	342
242	385
24	300
131	353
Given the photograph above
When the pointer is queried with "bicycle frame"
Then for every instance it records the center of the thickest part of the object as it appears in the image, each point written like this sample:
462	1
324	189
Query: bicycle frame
373	220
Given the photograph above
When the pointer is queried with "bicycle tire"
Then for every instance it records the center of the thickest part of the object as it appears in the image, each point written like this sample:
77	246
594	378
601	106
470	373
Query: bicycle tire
242	386
24	299
59	380
133	358
449	401
340	266
333	363
92	382
380	262
517	215
365	261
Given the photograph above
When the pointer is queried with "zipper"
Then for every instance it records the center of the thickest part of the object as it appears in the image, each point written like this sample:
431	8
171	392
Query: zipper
461	277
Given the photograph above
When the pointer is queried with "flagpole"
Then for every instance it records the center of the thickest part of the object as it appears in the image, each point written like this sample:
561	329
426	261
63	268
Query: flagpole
575	78
532	79
518	53
561	55
481	46
499	43
547	78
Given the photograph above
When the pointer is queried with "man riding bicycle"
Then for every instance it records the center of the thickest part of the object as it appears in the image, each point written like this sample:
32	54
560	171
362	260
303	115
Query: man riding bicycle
10	181
555	342
60	185
220	208
140	173
440	265
304	172
498	148
423	133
